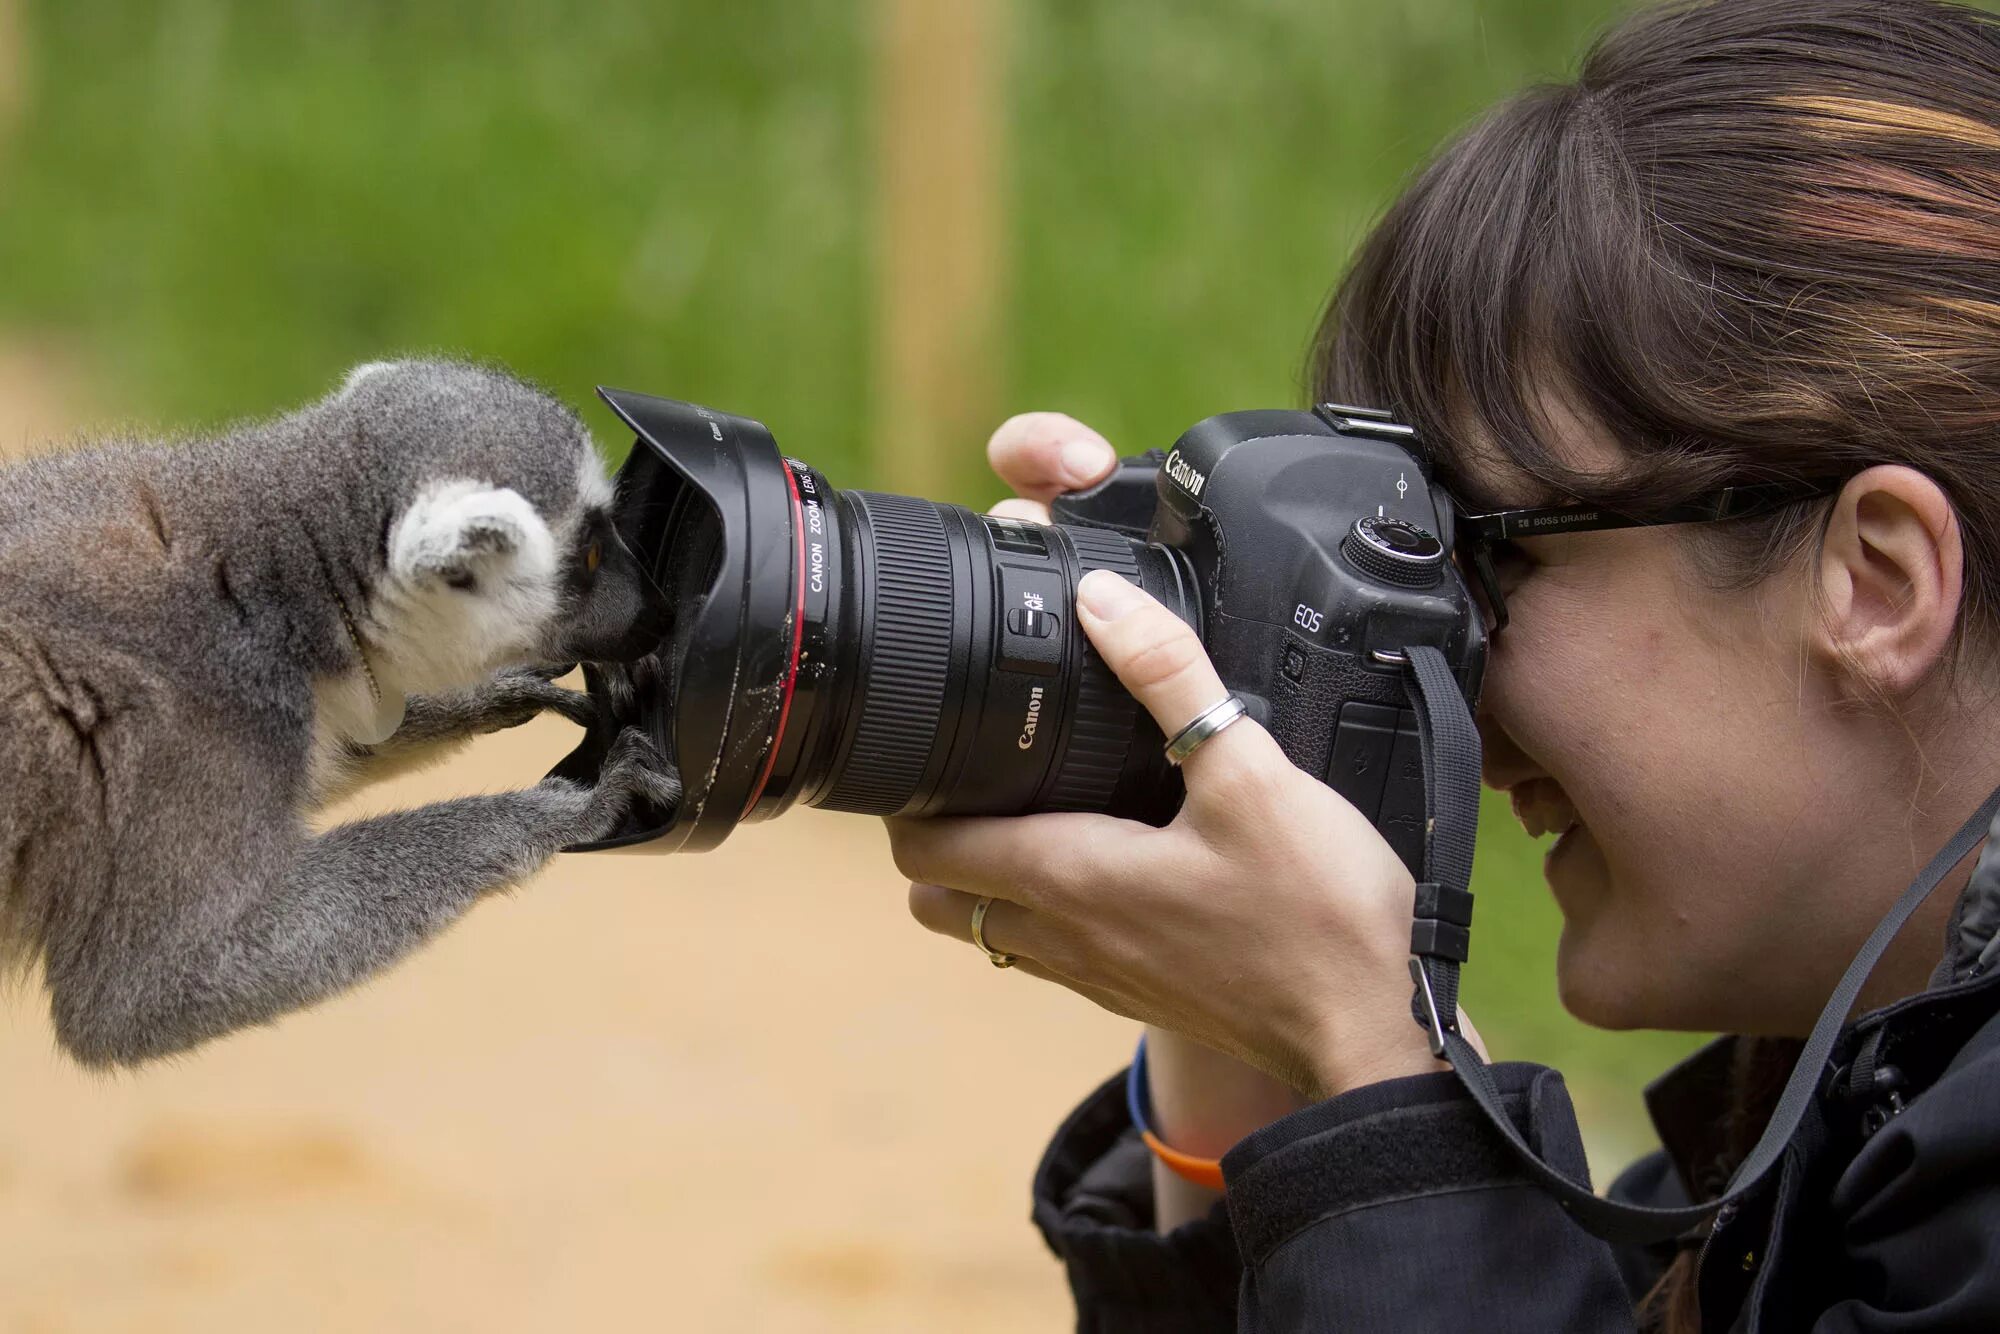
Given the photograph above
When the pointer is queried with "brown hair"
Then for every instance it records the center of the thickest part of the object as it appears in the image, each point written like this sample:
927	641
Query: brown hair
1755	239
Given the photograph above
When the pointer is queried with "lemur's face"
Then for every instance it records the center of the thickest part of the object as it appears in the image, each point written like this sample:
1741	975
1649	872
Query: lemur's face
610	611
480	578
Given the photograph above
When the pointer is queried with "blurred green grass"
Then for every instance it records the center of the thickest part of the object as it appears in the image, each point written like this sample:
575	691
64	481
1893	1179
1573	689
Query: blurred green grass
220	205
226	203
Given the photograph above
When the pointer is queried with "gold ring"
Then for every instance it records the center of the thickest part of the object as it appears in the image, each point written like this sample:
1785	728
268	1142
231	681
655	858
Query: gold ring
994	956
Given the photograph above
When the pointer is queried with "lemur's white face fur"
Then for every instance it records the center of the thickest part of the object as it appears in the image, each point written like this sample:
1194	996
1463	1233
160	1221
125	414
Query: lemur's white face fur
477	580
477	577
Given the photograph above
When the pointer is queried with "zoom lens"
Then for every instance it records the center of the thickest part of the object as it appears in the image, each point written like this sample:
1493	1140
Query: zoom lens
863	651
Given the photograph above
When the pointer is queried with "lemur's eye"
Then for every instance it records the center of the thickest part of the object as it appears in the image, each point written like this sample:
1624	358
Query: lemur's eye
593	555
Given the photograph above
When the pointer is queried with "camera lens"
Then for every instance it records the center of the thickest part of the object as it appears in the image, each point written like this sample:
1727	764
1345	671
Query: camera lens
864	651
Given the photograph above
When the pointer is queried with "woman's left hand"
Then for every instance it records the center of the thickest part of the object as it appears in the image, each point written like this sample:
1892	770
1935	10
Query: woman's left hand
1269	921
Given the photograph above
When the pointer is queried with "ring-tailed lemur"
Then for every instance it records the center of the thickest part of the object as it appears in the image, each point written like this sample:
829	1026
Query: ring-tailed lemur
202	641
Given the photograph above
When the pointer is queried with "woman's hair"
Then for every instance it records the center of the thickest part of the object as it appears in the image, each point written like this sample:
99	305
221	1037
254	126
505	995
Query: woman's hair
1755	240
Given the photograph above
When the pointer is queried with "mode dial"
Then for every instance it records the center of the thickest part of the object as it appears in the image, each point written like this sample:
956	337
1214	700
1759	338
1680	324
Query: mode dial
1394	551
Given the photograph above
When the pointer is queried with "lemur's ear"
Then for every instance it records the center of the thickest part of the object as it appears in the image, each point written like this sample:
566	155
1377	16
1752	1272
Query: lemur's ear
466	535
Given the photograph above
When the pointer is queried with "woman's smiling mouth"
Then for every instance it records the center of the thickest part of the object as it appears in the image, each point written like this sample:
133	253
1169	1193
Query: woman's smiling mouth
1543	807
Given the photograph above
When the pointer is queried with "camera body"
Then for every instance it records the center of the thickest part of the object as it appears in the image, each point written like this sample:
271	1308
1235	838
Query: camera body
1319	549
885	654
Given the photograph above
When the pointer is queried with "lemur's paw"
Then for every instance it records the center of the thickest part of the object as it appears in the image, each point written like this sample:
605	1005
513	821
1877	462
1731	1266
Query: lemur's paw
634	766
521	694
634	774
469	536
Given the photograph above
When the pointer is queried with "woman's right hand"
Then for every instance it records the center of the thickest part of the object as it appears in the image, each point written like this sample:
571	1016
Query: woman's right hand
1203	1101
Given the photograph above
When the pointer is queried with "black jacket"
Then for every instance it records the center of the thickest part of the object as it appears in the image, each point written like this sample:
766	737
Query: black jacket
1395	1207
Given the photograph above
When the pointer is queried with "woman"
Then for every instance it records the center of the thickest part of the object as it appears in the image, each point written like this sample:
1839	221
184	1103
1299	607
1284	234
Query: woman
1754	241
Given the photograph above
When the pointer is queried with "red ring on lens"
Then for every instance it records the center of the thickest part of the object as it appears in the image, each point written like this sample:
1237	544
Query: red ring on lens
798	634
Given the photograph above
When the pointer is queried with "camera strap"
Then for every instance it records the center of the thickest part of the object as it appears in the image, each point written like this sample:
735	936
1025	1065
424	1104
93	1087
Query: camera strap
1442	931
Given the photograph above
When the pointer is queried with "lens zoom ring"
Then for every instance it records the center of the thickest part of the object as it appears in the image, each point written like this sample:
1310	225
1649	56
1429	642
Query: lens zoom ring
903	678
1106	716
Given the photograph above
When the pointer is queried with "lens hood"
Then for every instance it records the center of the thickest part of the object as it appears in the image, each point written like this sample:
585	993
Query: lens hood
707	502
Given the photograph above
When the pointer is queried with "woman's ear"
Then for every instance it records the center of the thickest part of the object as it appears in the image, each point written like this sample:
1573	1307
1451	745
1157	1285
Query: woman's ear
1892	573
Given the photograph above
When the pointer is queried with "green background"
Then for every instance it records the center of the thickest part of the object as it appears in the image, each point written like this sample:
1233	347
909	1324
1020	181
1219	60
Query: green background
217	206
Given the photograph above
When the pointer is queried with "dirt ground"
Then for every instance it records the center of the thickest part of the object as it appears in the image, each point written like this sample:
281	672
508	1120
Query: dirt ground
736	1090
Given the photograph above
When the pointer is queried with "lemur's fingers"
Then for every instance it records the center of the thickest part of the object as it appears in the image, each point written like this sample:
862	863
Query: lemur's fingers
462	534
520	694
635	766
633	770
632	751
574	705
663	789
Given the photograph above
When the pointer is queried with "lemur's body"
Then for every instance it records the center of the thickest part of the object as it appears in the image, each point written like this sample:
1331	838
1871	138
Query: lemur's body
200	641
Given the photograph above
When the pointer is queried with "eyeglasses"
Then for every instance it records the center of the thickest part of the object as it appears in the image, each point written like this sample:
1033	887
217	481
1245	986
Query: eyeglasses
1476	534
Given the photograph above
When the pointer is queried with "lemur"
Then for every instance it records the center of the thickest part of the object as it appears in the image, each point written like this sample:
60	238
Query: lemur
202	641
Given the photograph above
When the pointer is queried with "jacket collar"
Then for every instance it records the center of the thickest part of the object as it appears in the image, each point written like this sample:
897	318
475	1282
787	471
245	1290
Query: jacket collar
1689	1106
1972	940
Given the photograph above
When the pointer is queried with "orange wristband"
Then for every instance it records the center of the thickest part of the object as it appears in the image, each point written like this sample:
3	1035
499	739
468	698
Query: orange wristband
1138	1102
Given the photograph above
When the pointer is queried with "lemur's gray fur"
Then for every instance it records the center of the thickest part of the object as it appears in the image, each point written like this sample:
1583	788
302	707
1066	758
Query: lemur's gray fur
202	641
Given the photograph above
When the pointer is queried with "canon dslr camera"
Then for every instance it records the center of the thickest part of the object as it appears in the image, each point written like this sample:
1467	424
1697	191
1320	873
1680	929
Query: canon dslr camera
879	653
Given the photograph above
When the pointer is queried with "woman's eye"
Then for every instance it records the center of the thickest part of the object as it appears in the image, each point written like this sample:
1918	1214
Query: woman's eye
593	555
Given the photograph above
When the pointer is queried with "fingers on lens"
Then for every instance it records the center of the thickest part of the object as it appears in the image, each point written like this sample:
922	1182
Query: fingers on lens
1028	511
1171	674
1006	928
973	854
1041	454
945	911
1167	669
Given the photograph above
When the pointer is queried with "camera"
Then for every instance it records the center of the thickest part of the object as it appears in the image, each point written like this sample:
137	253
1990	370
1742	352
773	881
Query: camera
879	653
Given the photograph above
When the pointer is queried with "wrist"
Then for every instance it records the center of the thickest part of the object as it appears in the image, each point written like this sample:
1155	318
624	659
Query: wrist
1387	1047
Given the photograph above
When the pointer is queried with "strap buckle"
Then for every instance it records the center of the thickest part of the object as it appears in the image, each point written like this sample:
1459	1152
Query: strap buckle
1433	1026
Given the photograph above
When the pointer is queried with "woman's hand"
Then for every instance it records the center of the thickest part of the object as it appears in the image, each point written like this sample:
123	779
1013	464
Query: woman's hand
1203	1101
1269	921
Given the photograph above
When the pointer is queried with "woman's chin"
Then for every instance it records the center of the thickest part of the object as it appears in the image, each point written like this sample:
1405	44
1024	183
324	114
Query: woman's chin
1599	996
1601	979
1621	983
1609	960
1595	977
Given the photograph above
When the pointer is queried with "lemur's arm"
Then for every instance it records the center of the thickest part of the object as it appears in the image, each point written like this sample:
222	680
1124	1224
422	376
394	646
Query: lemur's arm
436	725
205	906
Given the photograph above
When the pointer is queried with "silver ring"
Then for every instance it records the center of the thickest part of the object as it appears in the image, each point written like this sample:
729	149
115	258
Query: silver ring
993	956
1205	725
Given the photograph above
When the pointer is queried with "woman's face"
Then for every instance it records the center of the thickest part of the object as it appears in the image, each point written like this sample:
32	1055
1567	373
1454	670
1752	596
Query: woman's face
1670	733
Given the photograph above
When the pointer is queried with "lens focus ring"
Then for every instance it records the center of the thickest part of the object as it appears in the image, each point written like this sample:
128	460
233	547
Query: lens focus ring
1101	734
902	677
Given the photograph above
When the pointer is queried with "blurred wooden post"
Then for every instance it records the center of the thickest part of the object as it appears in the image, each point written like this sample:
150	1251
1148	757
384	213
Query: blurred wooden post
12	87
941	237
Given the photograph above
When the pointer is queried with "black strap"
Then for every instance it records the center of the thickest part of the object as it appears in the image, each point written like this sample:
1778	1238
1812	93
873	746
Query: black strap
1451	795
